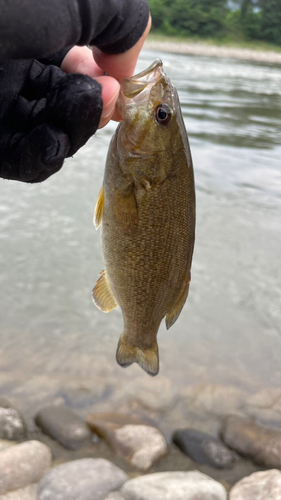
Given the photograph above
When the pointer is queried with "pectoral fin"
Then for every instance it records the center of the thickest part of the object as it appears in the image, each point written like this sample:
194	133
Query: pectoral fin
175	311
102	294
125	212
99	208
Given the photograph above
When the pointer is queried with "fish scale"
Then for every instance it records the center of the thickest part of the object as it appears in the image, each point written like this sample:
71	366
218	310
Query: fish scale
147	211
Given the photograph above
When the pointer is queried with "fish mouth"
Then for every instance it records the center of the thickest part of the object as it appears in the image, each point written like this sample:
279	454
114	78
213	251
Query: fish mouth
156	64
131	87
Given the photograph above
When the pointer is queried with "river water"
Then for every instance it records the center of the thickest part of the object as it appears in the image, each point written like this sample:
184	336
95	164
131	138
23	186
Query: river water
229	332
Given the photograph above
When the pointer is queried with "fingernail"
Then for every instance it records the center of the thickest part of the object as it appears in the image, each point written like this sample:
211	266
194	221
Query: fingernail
109	108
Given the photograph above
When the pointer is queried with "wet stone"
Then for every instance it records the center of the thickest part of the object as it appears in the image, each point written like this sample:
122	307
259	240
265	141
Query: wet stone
213	399
203	448
264	407
65	426
174	486
12	424
157	397
115	495
27	493
261	444
23	464
5	443
264	485
139	444
85	479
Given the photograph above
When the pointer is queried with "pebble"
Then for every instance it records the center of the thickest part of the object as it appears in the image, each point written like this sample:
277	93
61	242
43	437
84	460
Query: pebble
264	407
191	485
85	479
260	444
65	426
12	424
5	443
159	396
114	495
213	399
139	444
27	493
264	485
203	448
23	464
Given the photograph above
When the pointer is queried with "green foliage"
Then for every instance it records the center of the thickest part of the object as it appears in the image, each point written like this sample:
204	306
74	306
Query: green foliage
189	17
271	21
254	20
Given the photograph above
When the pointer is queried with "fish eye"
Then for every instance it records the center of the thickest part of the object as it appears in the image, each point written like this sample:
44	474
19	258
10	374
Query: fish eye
163	114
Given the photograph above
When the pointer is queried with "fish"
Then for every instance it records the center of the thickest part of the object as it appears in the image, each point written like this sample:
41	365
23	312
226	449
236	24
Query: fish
146	209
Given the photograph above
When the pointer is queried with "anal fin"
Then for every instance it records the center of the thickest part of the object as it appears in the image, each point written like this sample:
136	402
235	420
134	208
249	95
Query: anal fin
102	294
173	314
99	208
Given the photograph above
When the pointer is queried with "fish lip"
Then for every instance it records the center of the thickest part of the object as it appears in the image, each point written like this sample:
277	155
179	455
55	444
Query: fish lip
156	64
131	87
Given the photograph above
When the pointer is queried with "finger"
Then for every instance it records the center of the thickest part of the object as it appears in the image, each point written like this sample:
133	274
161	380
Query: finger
80	60
121	65
40	80
25	115
35	156
116	117
75	106
110	91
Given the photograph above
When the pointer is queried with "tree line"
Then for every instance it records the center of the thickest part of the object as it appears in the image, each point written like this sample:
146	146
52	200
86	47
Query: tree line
236	19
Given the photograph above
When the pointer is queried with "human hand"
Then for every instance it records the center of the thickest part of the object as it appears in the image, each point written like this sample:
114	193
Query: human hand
117	67
48	115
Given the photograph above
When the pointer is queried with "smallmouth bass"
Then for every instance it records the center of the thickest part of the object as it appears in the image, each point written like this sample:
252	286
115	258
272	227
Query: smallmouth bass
147	210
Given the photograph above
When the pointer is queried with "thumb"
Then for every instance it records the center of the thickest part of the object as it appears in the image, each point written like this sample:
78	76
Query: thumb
110	92
121	65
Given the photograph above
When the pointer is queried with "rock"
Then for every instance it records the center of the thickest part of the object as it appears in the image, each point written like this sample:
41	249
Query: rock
213	399
174	486
264	407
63	425
85	479
23	464
264	485
181	415
260	444
27	493
139	444
5	443
12	424
115	495
158	396
203	448
265	398
81	393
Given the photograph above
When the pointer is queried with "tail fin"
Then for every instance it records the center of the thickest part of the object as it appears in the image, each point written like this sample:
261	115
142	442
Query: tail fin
148	359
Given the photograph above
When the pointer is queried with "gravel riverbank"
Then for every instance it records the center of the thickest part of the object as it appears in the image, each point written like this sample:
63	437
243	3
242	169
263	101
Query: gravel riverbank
212	441
203	49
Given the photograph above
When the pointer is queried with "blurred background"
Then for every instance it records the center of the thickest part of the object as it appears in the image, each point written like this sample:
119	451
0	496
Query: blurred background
55	345
224	21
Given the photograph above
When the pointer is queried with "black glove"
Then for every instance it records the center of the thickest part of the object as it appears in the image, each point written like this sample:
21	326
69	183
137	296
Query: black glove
45	116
